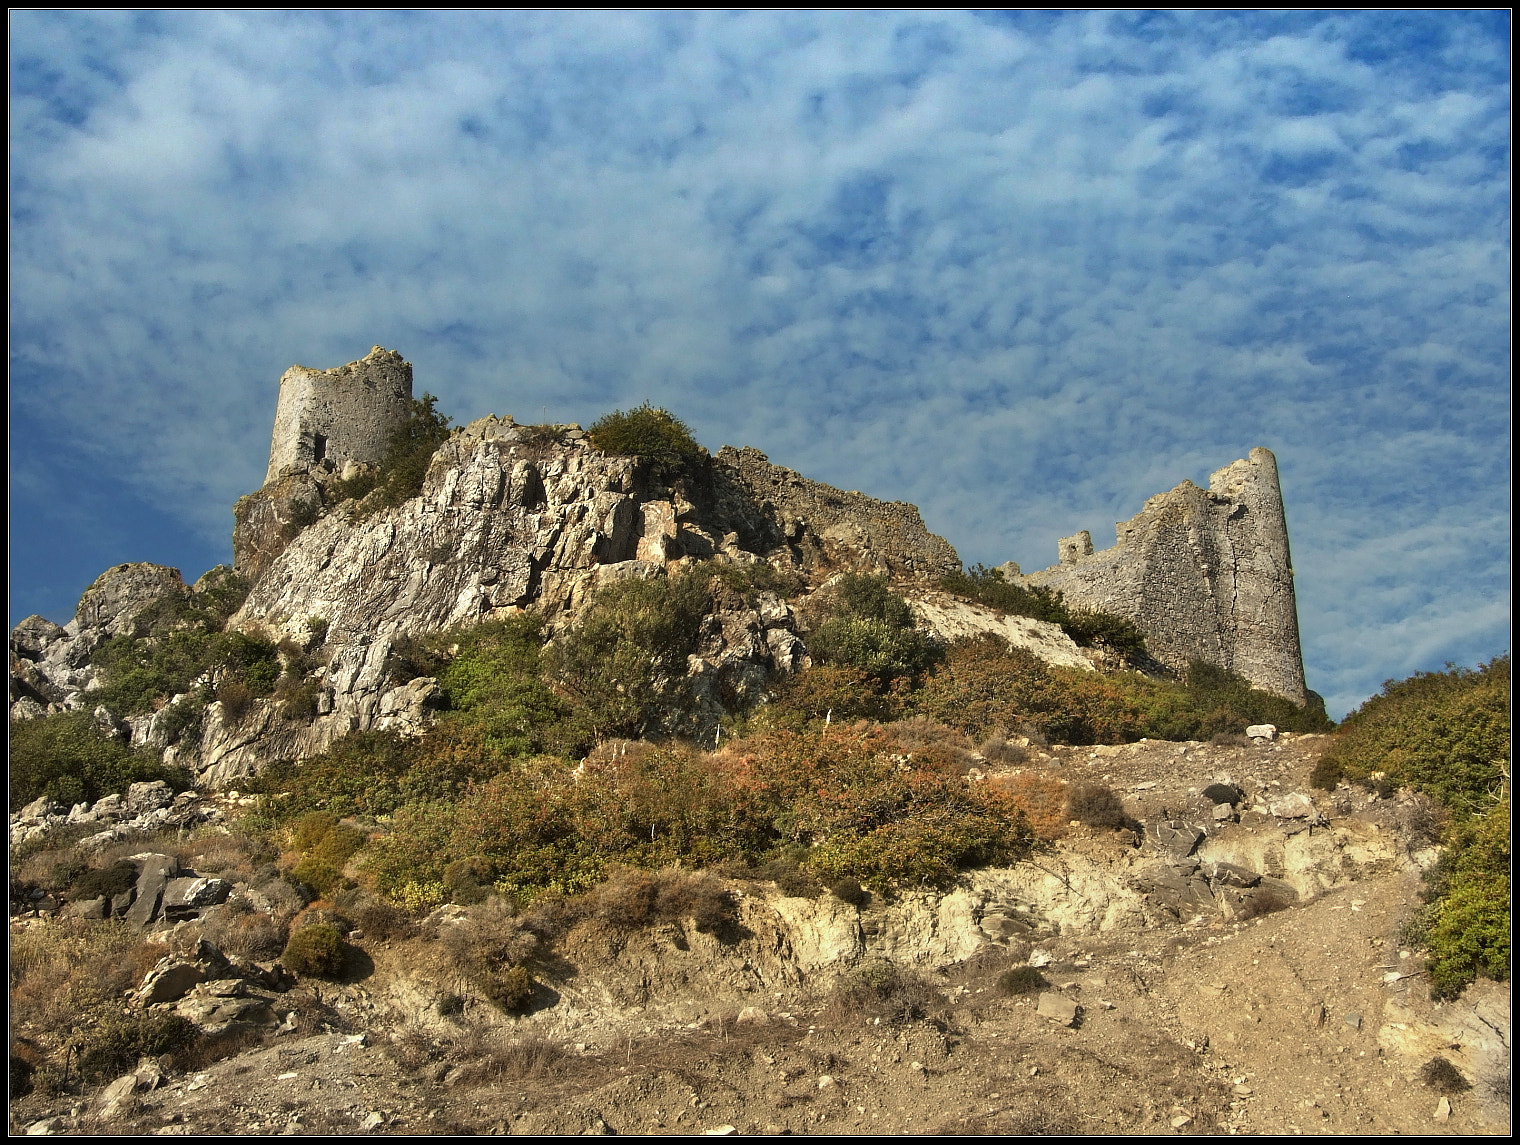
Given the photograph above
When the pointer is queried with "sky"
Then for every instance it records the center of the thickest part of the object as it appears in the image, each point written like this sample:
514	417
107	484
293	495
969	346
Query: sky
1023	270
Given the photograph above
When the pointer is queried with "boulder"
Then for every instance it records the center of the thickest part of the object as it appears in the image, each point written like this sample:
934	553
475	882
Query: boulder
1058	1008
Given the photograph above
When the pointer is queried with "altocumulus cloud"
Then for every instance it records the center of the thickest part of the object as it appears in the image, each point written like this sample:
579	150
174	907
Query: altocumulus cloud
1024	271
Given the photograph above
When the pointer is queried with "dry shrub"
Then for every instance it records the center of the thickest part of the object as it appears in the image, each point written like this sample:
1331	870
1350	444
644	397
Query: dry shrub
633	898
931	741
237	929
1261	901
882	990
488	1057
1443	1077
236	699
1042	799
488	947
224	855
378	919
1096	805
1021	980
998	752
791	878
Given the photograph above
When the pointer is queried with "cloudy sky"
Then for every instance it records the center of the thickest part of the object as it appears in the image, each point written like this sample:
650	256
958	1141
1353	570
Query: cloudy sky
1023	270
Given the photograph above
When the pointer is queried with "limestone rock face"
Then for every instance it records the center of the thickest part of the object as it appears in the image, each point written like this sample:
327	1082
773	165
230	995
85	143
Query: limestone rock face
1205	574
264	522
120	593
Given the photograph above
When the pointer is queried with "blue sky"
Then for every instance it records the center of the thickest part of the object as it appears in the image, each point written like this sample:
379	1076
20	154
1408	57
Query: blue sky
1023	270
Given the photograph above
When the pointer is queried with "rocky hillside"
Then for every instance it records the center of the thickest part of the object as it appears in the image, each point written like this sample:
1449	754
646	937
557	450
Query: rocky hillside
509	518
1125	982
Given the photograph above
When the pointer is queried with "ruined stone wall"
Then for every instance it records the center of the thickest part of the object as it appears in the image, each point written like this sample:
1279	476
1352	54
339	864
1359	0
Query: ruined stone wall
338	415
1205	574
828	527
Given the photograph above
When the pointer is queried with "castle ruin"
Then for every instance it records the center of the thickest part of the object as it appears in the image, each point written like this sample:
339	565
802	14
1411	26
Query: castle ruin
1205	574
339	415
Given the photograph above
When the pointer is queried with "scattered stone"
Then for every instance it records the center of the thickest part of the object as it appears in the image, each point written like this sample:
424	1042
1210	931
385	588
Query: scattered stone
752	1016
826	1082
1353	1020
1266	732
1294	806
1057	1008
1443	1109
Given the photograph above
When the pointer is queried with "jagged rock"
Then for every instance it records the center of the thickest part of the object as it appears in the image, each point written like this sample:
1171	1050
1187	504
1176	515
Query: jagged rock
1294	806
1231	875
1058	1008
145	797
153	875
170	981
40	807
186	897
1176	838
32	637
120	593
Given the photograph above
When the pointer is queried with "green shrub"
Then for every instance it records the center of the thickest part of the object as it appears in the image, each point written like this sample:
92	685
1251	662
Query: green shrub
66	758
850	891
114	1046
107	882
652	434
1447	735
987	587
1442	733
872	631
623	667
410	450
316	950
1087	627
302	516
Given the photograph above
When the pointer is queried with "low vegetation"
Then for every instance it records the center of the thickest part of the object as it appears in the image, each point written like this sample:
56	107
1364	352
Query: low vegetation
65	758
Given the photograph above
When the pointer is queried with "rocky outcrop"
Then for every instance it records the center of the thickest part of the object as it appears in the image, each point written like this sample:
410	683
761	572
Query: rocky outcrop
1205	574
50	665
828	529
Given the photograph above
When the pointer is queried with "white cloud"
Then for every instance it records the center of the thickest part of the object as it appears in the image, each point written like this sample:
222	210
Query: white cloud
1023	272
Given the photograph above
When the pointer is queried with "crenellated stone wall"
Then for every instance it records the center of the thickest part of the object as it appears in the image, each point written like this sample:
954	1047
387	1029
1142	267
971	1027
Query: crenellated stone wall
1205	573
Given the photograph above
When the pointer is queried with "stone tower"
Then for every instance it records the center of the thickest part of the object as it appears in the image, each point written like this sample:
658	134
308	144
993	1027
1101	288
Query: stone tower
338	415
1205	574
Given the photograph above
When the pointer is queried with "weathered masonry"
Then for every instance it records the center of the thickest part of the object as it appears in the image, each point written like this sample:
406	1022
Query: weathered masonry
339	415
1205	574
